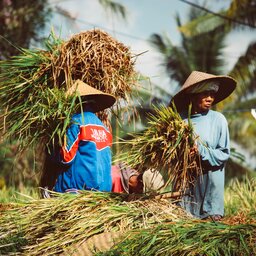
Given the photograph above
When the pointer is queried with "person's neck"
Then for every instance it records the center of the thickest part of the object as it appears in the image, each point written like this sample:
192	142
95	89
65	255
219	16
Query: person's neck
198	111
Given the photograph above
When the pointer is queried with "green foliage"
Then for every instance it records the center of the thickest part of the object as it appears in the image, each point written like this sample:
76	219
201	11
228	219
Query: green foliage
21	21
164	145
114	7
202	52
240	14
240	196
12	244
12	195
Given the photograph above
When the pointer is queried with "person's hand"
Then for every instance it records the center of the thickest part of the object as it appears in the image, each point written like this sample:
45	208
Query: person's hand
193	151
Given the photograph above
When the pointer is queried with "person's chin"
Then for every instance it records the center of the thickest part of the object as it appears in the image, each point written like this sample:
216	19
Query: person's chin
207	107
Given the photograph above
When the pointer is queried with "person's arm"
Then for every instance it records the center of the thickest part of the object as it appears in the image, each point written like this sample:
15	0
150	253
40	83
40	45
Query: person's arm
69	149
216	157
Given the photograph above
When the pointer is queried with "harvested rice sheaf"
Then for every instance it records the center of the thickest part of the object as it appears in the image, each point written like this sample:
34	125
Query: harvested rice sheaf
97	59
33	85
52	226
165	145
92	222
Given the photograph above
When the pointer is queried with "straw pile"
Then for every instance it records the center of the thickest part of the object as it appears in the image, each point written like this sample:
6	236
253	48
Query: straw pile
190	238
165	145
92	222
52	226
33	84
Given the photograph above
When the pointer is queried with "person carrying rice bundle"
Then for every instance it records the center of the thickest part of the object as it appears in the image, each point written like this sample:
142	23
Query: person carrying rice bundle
36	110
84	161
203	90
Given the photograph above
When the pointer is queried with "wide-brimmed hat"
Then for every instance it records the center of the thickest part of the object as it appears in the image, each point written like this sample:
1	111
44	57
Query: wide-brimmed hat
226	86
101	99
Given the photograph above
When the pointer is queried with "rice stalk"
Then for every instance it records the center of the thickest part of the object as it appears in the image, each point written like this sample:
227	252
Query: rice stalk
189	238
33	84
241	196
50	226
164	145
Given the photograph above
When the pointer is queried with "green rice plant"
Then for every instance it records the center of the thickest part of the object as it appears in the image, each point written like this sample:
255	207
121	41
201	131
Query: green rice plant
51	226
10	195
166	144
240	196
33	103
189	238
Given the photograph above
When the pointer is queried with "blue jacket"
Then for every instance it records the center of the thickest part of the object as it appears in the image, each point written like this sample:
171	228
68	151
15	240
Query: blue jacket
86	157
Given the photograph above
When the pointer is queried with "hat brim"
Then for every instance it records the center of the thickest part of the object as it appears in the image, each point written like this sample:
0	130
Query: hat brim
101	100
226	86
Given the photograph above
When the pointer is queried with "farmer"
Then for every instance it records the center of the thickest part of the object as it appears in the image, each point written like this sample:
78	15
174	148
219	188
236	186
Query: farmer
128	180
85	158
203	90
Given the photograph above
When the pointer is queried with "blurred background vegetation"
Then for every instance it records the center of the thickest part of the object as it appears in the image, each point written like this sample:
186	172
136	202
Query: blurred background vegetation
201	48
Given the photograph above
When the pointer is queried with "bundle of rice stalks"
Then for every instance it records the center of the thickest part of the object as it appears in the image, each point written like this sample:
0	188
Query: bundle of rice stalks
190	238
54	225
33	84
97	59
166	145
241	196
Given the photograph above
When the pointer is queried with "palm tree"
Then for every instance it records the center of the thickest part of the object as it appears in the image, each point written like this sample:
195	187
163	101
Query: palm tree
239	15
202	52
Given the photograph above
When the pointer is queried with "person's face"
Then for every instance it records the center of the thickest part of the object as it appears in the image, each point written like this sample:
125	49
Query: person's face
135	184
203	101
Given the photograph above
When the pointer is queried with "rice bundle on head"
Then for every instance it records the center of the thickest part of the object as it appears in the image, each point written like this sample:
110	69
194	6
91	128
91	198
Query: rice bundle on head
165	145
97	59
33	84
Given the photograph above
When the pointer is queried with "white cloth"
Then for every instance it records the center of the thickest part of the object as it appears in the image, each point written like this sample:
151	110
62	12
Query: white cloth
152	180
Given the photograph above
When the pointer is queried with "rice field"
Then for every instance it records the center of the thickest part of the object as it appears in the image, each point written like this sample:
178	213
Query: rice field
113	224
32	96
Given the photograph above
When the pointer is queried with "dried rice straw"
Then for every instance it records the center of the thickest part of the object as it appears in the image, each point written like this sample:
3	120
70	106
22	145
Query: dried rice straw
33	84
50	226
165	145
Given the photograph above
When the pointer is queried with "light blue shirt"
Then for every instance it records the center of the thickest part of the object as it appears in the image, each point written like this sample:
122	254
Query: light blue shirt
207	196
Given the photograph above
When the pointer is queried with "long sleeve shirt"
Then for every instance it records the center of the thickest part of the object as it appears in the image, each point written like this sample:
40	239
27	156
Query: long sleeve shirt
207	196
86	157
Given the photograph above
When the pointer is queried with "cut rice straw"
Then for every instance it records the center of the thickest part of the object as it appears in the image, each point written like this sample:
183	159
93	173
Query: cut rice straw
33	84
165	145
51	225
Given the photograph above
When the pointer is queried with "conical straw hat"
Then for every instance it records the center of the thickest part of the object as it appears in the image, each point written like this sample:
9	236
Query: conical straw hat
102	100
226	86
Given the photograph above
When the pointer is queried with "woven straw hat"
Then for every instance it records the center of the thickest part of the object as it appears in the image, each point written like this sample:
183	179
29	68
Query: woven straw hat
226	86
102	100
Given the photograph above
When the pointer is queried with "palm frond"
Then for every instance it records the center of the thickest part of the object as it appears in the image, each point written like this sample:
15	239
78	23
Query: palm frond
240	14
244	71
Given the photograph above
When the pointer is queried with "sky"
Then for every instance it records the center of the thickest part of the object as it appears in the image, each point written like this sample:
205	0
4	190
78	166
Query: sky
145	17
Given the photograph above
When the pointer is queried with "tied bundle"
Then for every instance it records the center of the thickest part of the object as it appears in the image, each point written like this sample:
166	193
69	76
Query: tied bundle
33	85
66	221
165	145
96	223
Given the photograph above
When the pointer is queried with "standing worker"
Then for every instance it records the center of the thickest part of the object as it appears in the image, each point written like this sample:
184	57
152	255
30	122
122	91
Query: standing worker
84	161
203	90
